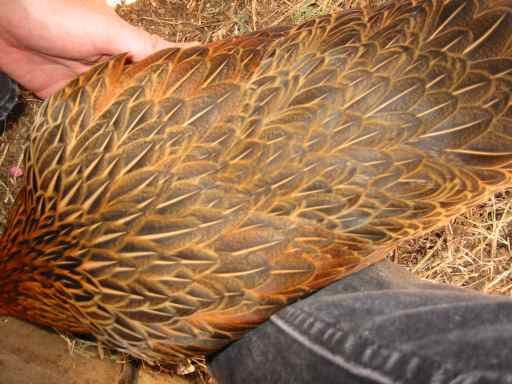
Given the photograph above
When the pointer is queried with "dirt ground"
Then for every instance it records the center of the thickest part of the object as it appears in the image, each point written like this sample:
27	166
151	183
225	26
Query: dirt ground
472	251
46	358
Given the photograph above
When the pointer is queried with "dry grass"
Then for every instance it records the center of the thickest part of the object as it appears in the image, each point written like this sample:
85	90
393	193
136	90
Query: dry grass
207	20
13	138
473	251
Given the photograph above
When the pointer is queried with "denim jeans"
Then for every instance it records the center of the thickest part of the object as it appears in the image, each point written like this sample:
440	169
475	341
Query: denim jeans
381	325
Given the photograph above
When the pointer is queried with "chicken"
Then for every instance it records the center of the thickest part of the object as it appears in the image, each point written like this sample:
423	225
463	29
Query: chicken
173	204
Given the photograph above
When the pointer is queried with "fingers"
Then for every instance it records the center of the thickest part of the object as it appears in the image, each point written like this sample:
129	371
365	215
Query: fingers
53	88
138	42
145	44
134	40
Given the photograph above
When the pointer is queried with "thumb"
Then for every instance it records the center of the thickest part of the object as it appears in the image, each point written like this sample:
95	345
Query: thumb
140	43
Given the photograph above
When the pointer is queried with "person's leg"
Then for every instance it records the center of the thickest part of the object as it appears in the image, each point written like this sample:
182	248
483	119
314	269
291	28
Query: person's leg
381	325
8	96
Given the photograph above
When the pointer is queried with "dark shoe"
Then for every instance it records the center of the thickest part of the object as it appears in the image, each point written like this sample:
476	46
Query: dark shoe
8	96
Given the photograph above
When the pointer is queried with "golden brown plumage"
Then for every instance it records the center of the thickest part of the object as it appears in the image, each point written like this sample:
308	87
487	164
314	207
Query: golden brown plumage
173	204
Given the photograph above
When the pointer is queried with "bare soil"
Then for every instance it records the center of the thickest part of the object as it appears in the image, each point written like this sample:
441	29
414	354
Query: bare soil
30	355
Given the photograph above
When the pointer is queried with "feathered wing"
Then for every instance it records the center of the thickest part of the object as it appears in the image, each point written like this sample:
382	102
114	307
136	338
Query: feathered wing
205	188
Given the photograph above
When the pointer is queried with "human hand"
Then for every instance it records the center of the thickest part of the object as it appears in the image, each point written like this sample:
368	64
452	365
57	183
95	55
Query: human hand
46	43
